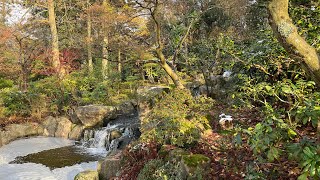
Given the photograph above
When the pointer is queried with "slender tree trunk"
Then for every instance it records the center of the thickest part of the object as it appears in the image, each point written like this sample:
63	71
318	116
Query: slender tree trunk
54	38
288	36
318	132
119	61
105	44
3	11
24	78
105	57
178	48
89	34
168	69
159	49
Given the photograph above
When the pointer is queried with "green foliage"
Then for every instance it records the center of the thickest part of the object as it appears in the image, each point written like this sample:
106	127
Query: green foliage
177	164
307	154
275	83
15	102
151	170
215	16
208	53
306	16
195	160
177	119
159	169
252	173
5	83
54	96
154	72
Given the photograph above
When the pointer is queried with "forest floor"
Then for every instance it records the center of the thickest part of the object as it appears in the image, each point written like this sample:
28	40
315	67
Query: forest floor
229	161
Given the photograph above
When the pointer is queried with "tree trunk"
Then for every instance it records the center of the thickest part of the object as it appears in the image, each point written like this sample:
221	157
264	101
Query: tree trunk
89	45
288	36
169	70
105	56
318	132
54	38
3	11
119	61
105	53
163	63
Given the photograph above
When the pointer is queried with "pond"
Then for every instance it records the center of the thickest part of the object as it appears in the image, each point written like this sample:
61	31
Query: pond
46	158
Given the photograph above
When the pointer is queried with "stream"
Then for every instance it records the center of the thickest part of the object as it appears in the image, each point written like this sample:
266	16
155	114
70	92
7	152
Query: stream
51	158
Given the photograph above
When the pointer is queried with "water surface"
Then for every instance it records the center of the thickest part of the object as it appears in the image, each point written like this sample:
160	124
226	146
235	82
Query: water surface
44	158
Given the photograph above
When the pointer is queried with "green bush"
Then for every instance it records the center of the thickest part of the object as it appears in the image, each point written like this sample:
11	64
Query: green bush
52	95
276	84
52	92
149	170
15	102
5	83
177	119
158	169
307	153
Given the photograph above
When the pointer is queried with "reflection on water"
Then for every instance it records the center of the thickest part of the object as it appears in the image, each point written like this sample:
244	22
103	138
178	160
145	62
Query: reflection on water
37	154
59	157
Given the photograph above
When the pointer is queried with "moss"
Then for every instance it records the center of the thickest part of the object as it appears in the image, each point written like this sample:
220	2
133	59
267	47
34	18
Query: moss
285	29
195	160
177	154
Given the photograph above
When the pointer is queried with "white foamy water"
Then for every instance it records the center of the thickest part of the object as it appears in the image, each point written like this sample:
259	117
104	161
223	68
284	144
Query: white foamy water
23	147
32	171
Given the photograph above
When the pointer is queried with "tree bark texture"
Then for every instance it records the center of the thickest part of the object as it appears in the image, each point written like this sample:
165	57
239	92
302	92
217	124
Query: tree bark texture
105	44
288	36
89	34
3	11
159	51
54	38
119	62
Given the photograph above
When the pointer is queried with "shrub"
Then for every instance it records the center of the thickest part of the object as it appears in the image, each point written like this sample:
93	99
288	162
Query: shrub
270	80
5	83
135	156
149	170
177	119
15	102
158	169
307	153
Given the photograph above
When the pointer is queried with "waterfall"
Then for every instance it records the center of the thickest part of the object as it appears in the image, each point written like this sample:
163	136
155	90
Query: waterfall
109	138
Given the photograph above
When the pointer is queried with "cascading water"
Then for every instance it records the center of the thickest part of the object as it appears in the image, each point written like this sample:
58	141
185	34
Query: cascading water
108	138
60	159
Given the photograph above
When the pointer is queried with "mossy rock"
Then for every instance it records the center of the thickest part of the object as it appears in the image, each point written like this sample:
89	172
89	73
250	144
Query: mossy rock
195	165
148	93
178	153
87	175
195	160
115	134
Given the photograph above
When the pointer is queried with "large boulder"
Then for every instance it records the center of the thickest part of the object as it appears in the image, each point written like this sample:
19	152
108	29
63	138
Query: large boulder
76	132
147	93
191	166
146	99
50	126
73	116
126	108
64	126
110	166
115	134
87	175
14	131
93	115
